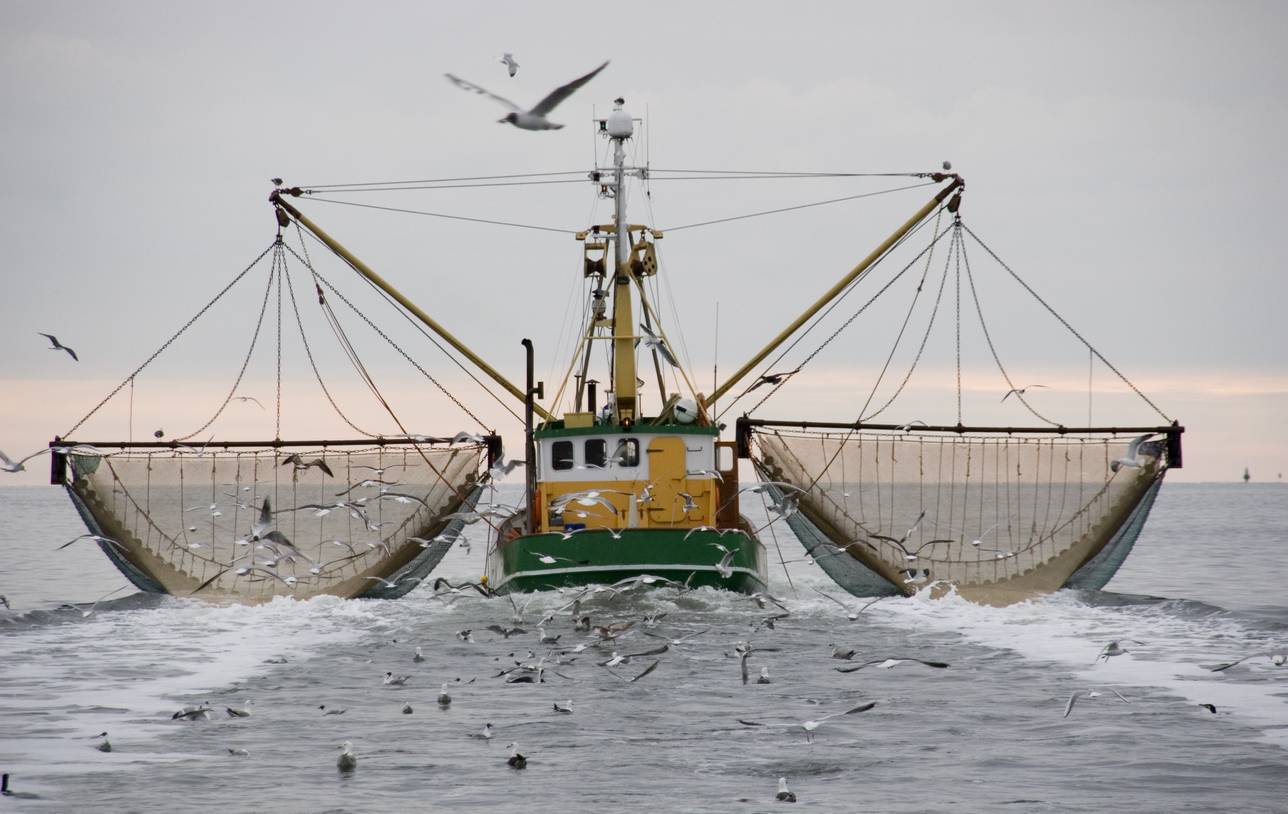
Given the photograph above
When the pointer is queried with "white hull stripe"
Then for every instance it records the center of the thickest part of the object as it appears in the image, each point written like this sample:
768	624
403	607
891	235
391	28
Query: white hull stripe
647	568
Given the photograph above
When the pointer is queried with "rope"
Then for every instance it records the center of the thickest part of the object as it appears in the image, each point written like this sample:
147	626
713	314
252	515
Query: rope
363	373
1065	323
130	378
925	337
448	217
259	323
798	206
970	277
310	192
957	279
447	180
843	325
384	336
907	317
788	174
308	351
278	257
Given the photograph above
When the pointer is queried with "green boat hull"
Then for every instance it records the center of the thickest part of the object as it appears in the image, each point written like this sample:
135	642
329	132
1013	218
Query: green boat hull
596	557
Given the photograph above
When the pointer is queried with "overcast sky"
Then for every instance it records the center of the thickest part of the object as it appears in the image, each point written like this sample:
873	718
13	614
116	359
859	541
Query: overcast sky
1124	158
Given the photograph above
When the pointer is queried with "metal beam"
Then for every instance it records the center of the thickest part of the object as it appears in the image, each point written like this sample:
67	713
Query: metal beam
366	271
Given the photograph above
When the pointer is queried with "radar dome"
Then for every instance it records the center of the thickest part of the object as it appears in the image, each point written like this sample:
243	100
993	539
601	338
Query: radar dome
686	411
619	123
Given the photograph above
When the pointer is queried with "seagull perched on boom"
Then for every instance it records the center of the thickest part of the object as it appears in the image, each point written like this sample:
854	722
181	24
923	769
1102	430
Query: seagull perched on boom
534	119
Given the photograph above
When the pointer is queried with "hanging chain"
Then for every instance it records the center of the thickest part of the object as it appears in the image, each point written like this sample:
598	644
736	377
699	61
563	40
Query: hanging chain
957	240
925	337
281	259
970	278
308	351
318	277
130	379
259	323
839	330
907	318
1066	324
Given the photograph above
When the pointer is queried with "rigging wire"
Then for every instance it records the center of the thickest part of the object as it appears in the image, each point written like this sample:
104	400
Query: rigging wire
415	324
447	217
308	351
310	191
130	379
798	206
357	362
843	325
445	180
347	347
907	318
925	337
818	319
970	278
737	174
1065	323
259	323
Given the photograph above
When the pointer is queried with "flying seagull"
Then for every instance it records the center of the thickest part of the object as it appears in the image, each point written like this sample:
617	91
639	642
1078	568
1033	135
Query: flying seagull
656	343
10	465
60	346
534	119
510	65
1019	391
1133	459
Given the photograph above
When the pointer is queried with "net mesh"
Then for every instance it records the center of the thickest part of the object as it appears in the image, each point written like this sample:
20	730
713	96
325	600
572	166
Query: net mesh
186	518
970	510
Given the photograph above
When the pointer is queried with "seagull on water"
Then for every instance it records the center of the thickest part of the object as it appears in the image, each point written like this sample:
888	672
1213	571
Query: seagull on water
407	710
763	678
444	700
332	711
396	681
516	759
105	746
238	752
785	795
844	655
566	708
347	761
507	59
419	657
56	345
197	713
242	712
534	119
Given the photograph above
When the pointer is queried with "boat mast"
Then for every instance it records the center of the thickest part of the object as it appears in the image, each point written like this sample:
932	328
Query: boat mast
620	127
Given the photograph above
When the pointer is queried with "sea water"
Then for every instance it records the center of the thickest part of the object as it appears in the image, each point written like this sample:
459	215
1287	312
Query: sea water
1205	585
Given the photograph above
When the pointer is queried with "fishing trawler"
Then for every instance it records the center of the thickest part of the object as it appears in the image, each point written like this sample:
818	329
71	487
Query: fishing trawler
613	491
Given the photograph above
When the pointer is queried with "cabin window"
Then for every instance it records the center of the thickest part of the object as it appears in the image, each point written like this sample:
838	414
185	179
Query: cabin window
724	458
627	452
596	453
561	455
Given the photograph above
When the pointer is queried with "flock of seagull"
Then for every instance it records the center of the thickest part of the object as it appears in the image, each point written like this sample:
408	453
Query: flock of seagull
610	636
